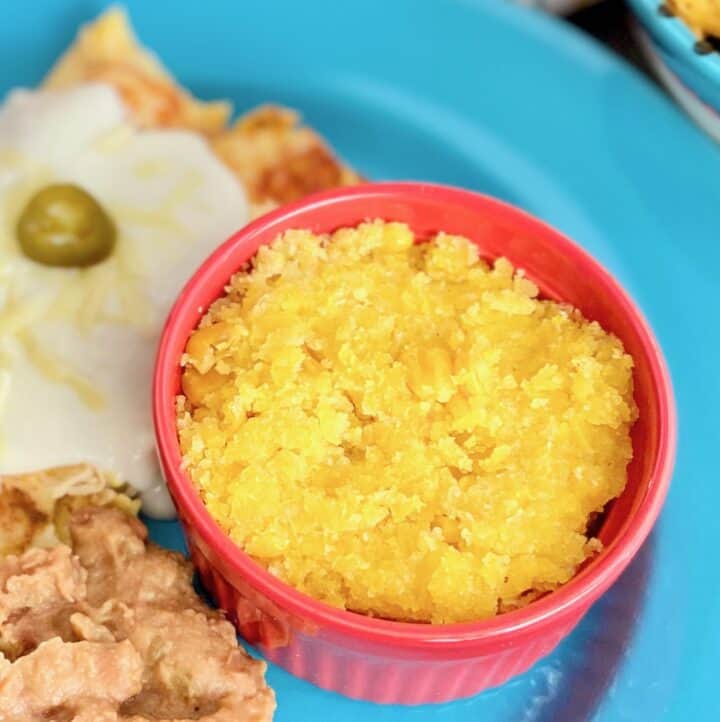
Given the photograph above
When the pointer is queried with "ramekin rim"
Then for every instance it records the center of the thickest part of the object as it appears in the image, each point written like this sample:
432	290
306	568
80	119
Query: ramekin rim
576	594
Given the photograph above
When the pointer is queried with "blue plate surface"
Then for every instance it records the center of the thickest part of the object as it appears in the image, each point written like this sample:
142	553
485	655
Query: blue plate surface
500	99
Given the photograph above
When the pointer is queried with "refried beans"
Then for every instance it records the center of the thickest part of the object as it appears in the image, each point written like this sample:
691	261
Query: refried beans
110	629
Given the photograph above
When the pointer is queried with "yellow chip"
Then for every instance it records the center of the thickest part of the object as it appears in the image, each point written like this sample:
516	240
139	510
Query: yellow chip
701	16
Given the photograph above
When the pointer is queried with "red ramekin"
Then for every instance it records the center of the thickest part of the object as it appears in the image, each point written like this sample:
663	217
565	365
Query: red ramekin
385	661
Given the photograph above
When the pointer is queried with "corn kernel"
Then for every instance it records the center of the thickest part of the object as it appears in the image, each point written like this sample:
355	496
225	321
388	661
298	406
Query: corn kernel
202	342
196	386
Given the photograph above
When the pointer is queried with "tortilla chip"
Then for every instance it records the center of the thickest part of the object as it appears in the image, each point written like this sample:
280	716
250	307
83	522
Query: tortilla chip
273	155
35	508
107	51
277	159
701	16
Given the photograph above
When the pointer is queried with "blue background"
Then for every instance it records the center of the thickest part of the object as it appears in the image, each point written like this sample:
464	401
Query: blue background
499	99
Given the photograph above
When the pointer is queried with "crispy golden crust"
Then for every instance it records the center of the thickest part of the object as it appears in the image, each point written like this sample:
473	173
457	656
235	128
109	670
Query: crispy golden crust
108	51
273	155
35	508
278	159
20	520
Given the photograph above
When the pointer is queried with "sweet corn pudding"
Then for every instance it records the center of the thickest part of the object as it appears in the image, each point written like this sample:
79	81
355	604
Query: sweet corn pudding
401	429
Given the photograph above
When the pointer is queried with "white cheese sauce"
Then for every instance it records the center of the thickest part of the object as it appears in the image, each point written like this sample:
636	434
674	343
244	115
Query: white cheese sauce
77	345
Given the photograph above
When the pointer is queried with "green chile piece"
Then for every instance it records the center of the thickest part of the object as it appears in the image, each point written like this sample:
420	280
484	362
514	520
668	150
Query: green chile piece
63	225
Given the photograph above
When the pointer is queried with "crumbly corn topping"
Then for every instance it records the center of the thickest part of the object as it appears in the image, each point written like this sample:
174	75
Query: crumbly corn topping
400	429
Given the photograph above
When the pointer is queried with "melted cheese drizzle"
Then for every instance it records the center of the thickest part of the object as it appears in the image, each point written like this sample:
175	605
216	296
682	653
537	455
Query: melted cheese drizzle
77	345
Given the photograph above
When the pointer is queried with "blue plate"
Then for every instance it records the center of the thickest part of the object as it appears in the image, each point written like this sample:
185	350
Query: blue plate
500	99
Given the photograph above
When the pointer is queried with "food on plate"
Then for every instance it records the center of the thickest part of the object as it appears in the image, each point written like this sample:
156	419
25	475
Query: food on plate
108	627
107	51
77	341
115	182
35	508
402	429
701	16
279	160
106	674
274	156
